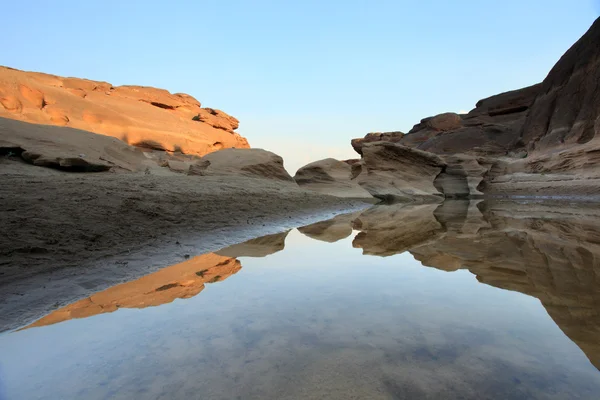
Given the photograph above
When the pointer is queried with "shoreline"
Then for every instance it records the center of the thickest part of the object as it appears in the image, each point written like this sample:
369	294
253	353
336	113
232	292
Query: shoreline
75	234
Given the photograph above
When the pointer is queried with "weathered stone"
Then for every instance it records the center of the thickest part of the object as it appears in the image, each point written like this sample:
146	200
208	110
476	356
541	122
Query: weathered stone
255	163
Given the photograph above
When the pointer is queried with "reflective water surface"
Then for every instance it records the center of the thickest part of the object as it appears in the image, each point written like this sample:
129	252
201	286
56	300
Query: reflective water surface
488	300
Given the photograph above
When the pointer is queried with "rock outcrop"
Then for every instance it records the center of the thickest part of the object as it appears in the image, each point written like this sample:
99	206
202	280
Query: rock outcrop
67	149
253	163
492	128
395	172
330	176
146	117
393	137
567	108
537	141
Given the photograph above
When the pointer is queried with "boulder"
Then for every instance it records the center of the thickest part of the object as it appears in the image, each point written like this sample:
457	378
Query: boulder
254	163
393	137
150	118
333	177
399	173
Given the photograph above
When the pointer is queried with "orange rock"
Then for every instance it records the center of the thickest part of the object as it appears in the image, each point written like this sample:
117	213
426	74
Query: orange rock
141	116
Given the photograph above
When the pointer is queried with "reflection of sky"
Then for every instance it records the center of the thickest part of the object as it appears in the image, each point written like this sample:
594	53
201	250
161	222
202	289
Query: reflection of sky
315	319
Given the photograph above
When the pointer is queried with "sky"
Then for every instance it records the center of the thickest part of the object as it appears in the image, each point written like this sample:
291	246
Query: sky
303	77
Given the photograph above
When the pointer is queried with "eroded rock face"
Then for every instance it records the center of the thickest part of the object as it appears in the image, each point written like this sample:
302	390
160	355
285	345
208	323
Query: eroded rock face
395	172
67	149
462	176
492	128
537	141
568	106
330	176
254	163
141	116
392	137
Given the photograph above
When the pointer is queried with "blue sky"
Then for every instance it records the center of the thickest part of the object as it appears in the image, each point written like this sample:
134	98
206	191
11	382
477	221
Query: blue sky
303	77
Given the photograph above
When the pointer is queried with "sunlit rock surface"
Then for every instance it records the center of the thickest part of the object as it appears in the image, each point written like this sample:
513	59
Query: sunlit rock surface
141	116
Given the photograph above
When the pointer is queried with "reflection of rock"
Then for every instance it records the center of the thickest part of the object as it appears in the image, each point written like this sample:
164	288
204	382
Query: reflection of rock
393	229
255	163
332	230
180	281
549	252
259	247
330	176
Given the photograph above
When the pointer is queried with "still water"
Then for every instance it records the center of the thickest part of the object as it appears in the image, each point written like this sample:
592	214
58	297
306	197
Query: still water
459	301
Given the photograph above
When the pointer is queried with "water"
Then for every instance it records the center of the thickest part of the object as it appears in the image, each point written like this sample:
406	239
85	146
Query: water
460	301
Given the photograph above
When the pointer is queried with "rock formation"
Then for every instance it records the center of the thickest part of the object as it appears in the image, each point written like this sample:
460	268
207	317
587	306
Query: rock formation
253	163
141	116
396	172
331	176
393	137
539	140
65	148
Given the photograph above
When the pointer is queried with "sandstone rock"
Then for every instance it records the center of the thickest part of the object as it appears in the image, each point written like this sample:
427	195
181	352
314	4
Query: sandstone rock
395	172
566	110
512	102
493	128
255	163
462	176
69	149
445	122
330	176
135	114
393	137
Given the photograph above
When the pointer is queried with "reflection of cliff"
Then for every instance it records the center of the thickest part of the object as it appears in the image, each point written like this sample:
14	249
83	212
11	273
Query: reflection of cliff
179	281
551	253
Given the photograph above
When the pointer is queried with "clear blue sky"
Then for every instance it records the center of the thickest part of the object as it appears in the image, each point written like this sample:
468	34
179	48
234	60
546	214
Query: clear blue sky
303	77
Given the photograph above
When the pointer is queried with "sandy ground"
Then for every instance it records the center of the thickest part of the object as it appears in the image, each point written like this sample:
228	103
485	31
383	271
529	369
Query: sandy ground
67	235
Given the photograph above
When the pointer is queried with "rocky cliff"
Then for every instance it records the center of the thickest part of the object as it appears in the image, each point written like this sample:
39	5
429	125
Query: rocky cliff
141	116
541	140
